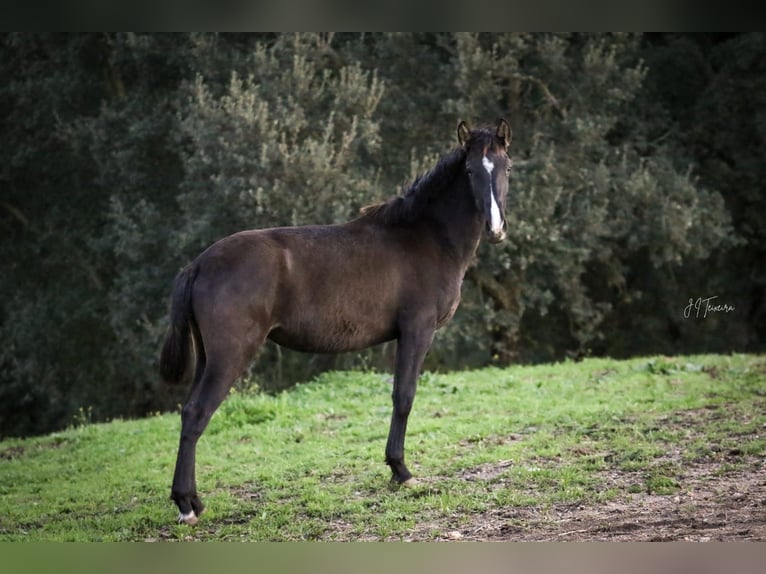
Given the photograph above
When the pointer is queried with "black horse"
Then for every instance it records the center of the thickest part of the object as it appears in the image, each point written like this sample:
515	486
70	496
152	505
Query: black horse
395	272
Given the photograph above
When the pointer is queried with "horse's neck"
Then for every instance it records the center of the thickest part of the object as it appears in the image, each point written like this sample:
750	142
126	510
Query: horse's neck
459	221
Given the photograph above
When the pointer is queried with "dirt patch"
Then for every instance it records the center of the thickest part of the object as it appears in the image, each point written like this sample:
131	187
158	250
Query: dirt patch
487	471
12	452
719	496
709	507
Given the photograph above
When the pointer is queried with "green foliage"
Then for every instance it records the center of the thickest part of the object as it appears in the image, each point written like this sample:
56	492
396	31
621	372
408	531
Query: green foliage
585	200
277	148
289	144
637	171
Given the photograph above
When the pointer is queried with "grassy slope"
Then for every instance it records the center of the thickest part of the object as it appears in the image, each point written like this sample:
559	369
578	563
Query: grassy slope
307	464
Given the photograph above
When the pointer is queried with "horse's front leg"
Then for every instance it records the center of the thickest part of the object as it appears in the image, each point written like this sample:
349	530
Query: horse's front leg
412	347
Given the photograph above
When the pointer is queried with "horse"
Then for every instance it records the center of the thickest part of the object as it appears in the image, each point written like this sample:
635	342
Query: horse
393	273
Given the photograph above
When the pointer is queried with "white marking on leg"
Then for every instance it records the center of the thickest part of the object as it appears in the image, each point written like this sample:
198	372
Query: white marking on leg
496	220
190	518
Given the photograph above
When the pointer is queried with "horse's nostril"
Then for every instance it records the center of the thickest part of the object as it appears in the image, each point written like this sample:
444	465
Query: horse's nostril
494	236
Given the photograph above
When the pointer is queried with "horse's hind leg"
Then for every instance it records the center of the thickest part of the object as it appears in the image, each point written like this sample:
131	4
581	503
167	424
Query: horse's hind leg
184	481
226	360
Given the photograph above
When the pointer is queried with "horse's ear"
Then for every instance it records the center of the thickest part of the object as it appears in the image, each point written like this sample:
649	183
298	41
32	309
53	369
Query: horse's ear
504	132
463	131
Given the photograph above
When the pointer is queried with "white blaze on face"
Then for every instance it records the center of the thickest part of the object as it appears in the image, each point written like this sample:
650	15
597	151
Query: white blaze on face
496	220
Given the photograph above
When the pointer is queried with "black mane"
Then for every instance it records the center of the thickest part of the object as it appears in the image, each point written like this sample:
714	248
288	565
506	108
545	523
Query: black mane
416	197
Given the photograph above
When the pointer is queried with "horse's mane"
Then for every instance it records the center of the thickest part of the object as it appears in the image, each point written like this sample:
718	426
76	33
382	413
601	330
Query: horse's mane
418	195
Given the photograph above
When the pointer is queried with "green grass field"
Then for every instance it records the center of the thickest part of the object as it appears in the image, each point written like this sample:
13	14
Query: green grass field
307	464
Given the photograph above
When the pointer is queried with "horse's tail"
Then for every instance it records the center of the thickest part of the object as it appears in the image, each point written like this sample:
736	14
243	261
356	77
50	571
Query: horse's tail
174	358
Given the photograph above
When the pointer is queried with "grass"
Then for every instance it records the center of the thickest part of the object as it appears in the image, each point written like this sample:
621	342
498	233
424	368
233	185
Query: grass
308	463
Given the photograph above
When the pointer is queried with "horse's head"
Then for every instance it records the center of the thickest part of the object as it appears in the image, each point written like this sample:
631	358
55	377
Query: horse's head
488	166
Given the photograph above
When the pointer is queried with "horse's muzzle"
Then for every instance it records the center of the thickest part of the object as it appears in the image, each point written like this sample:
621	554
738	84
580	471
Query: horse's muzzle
496	236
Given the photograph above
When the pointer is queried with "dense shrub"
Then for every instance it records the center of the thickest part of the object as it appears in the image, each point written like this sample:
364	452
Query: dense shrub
636	186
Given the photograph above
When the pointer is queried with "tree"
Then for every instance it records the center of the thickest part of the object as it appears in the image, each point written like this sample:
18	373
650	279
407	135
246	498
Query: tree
592	201
285	141
637	171
53	288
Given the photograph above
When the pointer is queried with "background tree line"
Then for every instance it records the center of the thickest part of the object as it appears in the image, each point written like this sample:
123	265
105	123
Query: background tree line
639	162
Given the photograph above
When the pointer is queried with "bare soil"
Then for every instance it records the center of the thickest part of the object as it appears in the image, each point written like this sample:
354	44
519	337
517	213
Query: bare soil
720	496
709	506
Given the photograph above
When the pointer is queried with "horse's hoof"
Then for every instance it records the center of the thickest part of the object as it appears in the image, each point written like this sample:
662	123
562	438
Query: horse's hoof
409	483
190	519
